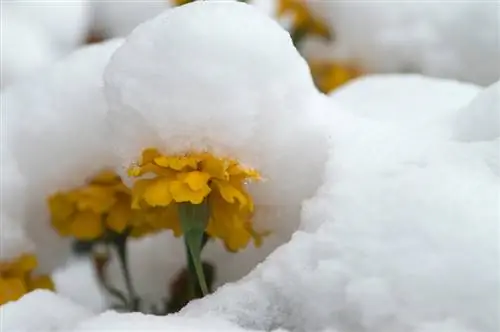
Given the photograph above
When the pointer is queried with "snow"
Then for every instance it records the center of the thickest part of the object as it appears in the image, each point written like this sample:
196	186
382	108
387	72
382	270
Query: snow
41	310
458	40
403	236
56	124
119	18
250	103
25	47
480	121
51	15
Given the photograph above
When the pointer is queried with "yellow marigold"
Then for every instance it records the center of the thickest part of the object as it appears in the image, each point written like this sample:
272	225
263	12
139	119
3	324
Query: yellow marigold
16	278
329	75
303	20
87	212
195	178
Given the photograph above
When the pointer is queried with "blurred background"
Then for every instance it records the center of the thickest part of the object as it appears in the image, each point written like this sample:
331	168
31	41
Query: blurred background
340	39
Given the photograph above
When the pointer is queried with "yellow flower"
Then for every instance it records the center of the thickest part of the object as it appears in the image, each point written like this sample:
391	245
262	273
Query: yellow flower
329	75
194	178
16	278
87	212
181	2
303	20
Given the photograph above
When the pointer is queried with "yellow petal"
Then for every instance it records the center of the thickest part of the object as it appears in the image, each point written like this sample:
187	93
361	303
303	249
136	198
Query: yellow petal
177	163
148	155
61	208
138	191
96	198
27	262
195	180
11	290
119	216
41	282
230	193
105	177
87	225
217	168
157	193
181	192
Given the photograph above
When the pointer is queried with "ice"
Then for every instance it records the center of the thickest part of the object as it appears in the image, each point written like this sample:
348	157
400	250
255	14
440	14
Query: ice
181	82
458	40
41	310
56	124
480	121
25	47
403	236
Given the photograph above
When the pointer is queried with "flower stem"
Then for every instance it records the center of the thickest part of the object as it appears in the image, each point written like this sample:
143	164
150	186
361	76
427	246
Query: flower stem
120	243
194	220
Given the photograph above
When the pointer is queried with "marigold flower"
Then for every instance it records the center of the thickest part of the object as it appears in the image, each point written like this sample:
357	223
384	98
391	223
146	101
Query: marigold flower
16	278
194	178
87	212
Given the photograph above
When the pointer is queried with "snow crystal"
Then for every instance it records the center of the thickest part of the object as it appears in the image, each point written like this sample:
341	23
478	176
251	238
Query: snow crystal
41	310
480	121
403	236
457	40
56	124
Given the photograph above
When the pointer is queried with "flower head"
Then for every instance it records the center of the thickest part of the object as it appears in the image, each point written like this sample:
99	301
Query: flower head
16	278
303	20
195	178
87	212
329	75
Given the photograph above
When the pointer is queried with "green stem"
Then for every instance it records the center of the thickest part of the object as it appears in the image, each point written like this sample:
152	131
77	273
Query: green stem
120	243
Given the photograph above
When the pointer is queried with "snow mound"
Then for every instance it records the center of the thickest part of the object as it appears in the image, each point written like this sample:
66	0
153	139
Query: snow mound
402	236
56	124
480	121
456	40
413	101
41	311
51	15
25	47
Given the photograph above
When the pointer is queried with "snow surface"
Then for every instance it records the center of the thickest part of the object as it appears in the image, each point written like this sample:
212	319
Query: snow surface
480	121
50	15
25	47
42	311
450	39
56	124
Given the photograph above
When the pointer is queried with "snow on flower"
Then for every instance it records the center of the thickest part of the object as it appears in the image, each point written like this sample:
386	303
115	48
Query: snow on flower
186	87
55	124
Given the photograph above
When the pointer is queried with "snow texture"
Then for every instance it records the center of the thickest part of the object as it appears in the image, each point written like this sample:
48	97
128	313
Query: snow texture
25	47
41	311
403	236
56	124
250	103
459	40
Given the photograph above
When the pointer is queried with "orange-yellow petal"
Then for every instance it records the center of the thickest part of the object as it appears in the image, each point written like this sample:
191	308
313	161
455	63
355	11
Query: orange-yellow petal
181	192
177	163
87	225
230	193
157	193
119	216
11	290
195	180
41	282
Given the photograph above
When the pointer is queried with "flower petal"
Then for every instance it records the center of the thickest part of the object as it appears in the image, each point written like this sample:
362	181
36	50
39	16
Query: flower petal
158	193
87	225
177	163
119	216
41	282
181	192
230	193
195	180
11	290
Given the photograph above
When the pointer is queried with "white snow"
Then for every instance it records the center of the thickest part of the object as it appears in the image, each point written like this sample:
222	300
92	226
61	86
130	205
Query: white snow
250	103
459	40
56	124
41	310
25	47
66	22
480	121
